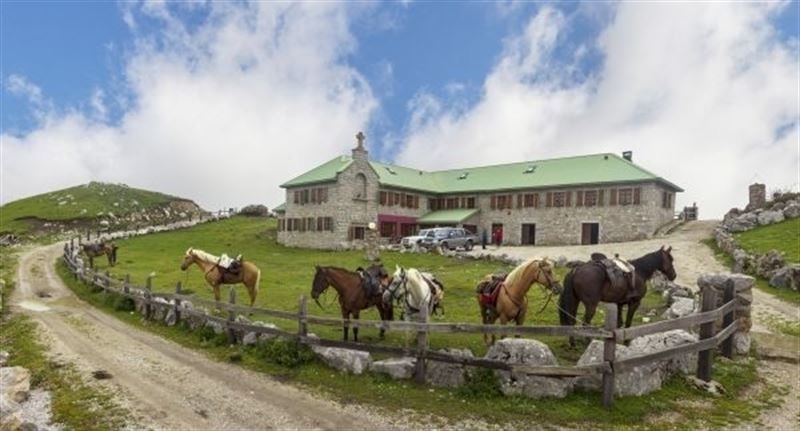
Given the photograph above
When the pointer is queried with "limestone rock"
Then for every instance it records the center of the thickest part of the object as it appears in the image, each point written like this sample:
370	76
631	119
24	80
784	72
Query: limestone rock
741	343
397	368
446	374
770	217
10	414
680	307
3	358
15	383
250	339
792	210
787	277
521	351
769	262
351	361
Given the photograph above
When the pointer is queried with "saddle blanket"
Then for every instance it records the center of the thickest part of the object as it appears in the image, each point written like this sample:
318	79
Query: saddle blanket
225	261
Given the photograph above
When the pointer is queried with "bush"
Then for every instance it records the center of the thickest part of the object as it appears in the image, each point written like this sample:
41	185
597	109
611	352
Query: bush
481	383
285	352
255	211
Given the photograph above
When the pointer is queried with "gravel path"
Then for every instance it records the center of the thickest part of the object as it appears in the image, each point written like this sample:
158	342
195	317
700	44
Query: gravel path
167	386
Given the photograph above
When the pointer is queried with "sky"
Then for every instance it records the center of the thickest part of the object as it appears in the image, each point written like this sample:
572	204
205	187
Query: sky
221	102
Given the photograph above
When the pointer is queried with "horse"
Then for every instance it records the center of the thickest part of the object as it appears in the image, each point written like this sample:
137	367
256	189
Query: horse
248	273
98	249
589	284
509	301
353	296
420	293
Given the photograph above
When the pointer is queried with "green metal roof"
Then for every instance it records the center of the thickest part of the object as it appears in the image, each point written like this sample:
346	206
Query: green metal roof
447	216
322	173
561	172
280	208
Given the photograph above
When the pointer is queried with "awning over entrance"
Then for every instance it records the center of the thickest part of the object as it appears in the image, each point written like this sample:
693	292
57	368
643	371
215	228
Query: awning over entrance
447	216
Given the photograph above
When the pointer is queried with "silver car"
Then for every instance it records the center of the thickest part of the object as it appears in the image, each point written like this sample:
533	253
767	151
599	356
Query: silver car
445	237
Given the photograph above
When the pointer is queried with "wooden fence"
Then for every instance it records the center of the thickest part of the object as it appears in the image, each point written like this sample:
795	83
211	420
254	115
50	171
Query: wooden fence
610	333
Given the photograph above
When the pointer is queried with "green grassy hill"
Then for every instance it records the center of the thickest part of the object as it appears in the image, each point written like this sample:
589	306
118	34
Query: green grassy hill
87	205
784	237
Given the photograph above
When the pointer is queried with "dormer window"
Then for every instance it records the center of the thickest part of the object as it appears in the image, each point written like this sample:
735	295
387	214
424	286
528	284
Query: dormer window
390	170
531	169
463	176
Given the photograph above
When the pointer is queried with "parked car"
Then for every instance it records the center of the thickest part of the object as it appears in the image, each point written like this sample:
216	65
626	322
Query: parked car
445	237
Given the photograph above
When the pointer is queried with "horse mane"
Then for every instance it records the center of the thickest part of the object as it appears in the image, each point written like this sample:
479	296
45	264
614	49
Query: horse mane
516	274
648	263
415	276
202	255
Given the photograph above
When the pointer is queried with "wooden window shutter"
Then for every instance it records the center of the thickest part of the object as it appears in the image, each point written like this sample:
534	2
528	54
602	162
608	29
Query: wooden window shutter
549	200
601	198
568	200
613	200
416	202
382	198
493	202
579	198
637	192
536	200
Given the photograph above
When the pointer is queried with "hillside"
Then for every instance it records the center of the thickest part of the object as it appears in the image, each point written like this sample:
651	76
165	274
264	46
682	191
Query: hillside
92	206
783	236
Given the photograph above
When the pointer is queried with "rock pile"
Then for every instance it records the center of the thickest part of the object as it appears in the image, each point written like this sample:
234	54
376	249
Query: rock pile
20	407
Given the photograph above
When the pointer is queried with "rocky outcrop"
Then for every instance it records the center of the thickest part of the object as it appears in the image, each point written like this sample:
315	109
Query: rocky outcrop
521	351
351	361
787	277
396	368
446	374
644	378
680	307
770	217
15	383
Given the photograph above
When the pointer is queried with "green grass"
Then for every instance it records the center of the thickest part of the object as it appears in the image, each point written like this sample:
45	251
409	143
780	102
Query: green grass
287	274
783	236
687	407
787	295
79	202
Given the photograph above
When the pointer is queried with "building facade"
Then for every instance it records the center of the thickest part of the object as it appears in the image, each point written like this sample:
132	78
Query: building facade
588	199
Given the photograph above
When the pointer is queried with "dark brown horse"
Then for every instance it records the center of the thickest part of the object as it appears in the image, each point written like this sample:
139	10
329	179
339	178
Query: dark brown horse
353	294
93	250
589	284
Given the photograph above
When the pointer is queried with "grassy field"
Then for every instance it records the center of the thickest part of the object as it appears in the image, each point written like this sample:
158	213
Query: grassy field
783	236
79	202
675	406
287	273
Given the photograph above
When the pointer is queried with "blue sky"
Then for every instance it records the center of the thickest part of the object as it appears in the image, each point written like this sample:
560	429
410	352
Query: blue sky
432	83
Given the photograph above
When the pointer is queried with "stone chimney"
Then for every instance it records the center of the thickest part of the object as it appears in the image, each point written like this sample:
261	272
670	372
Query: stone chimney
360	152
758	195
628	155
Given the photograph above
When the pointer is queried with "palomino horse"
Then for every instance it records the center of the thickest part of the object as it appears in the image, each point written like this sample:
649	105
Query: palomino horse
248	274
353	294
589	284
511	301
101	248
420	294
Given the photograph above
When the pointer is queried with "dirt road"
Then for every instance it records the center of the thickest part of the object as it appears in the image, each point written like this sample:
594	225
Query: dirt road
163	384
692	258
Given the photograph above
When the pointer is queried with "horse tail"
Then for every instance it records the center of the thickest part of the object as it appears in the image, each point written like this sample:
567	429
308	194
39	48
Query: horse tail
258	281
567	301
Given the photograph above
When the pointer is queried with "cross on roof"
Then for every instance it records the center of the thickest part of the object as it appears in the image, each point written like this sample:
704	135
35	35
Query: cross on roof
360	137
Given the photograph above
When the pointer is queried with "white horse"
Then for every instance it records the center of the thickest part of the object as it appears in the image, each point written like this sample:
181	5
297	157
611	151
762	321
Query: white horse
416	291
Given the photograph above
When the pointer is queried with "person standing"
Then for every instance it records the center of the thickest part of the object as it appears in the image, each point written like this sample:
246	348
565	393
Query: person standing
483	238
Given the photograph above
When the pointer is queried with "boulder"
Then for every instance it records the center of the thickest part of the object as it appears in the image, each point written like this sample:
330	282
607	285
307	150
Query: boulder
3	358
743	222
521	351
447	374
215	326
770	217
787	277
644	378
250	339
741	343
680	307
10	414
769	262
675	291
351	361
15	383
396	368
792	210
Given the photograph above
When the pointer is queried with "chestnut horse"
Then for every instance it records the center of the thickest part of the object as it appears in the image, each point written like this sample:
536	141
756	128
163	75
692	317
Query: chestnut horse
511	301
588	283
248	274
353	296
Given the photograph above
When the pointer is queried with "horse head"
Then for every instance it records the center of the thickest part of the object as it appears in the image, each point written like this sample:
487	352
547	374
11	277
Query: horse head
188	259
545	276
319	284
379	273
397	279
666	263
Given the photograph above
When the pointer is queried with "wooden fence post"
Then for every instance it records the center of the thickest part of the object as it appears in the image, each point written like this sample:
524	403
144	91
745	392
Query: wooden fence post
728	295
422	346
107	283
91	262
302	322
705	357
177	303
126	285
609	355
147	297
231	315
88	235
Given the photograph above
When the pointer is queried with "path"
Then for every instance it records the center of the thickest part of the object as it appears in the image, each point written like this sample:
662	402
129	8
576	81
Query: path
167	386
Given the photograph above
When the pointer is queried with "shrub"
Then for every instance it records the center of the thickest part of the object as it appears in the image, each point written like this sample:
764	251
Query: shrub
285	352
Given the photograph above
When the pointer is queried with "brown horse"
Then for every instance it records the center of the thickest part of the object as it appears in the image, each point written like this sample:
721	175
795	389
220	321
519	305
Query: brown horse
248	274
511	301
353	295
98	249
589	284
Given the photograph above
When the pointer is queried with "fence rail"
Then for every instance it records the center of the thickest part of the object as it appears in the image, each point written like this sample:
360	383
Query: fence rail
610	334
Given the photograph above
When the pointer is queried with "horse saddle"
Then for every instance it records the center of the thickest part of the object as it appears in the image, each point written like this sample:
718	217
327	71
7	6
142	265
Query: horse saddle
230	265
488	290
437	291
371	280
620	274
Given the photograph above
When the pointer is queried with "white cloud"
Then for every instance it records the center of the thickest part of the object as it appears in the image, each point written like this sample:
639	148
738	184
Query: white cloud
697	90
222	113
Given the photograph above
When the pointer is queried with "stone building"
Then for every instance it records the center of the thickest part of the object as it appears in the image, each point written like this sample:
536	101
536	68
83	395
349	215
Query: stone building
587	199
